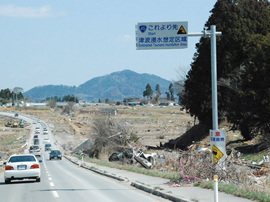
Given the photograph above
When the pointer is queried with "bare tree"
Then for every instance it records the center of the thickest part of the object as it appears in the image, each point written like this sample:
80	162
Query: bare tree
68	108
16	90
181	78
110	136
52	103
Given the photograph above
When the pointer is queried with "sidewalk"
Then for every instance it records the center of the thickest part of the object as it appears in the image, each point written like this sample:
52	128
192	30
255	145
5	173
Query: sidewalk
158	186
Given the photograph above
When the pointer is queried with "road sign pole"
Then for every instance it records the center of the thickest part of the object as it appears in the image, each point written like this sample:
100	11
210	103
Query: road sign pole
215	139
214	77
213	35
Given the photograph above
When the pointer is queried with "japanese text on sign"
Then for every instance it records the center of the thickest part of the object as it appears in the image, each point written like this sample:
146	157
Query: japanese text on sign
166	35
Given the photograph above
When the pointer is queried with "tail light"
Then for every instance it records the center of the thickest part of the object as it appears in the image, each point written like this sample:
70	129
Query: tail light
38	150
9	168
34	166
30	151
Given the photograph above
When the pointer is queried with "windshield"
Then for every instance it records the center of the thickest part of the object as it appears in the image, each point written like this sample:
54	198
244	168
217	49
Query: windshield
34	147
15	159
56	152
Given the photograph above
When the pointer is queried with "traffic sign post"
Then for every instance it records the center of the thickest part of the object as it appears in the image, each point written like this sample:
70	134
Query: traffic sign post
218	146
217	143
161	35
158	36
174	35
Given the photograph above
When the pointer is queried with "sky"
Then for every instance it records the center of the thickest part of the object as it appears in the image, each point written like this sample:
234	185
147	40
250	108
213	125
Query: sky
69	42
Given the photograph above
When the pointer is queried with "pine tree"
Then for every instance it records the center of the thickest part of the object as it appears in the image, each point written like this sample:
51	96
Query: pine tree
171	90
148	92
158	93
158	90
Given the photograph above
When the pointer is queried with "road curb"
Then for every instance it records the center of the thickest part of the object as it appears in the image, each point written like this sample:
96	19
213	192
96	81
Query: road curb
133	184
94	170
158	193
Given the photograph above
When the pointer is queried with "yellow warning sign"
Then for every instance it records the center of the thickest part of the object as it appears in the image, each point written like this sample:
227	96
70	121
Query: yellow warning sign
217	154
181	30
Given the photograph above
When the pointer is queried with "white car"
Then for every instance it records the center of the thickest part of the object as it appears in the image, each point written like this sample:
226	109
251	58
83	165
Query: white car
46	140
45	131
22	166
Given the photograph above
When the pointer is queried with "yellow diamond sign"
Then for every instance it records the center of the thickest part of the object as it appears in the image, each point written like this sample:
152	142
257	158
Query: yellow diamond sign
217	154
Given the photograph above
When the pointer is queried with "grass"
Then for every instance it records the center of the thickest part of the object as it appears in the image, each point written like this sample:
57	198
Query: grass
256	157
236	190
8	142
159	188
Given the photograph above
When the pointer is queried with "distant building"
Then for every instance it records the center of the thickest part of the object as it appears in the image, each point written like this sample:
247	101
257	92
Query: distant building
165	102
131	101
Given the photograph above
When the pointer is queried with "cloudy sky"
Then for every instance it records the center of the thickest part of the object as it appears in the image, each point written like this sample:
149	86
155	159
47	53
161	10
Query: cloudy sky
70	42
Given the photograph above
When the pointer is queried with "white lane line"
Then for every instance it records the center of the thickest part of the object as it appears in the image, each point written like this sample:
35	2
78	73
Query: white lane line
50	178
55	194
51	184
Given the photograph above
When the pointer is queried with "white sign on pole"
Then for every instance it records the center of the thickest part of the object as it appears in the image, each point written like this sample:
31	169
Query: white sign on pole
161	35
218	146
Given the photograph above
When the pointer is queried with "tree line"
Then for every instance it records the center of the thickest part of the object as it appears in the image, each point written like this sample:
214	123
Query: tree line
7	96
243	68
149	93
66	98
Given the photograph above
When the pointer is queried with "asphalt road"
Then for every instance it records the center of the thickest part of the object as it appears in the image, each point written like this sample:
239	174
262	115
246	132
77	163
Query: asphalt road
62	181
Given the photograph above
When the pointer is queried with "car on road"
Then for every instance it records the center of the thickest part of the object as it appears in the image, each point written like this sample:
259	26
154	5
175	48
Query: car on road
35	150
36	141
55	154
48	147
46	140
37	131
16	115
35	136
45	131
22	166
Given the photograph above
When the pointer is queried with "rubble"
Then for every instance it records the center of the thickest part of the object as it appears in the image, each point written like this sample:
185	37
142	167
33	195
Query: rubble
146	160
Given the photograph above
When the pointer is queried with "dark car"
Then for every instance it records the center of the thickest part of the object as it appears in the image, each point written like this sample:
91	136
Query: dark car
36	141
16	115
55	154
48	147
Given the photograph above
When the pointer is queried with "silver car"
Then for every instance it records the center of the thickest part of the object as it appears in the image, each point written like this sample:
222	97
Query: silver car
35	150
23	166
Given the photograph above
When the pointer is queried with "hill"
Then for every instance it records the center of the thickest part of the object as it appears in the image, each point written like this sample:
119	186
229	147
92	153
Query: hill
114	86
